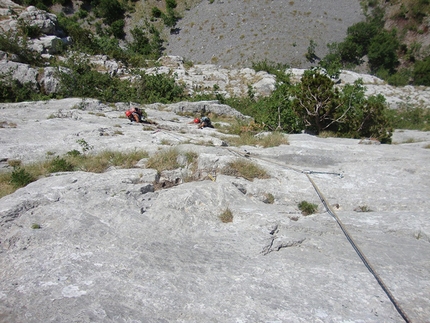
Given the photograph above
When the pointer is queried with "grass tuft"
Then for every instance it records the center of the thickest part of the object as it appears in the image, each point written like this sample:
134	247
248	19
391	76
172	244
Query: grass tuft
307	208
164	160
244	168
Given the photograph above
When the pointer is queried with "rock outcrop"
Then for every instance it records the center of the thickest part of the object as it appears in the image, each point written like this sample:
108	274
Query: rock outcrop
117	247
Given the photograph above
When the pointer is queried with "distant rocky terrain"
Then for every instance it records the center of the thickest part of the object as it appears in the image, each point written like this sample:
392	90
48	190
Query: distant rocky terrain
114	247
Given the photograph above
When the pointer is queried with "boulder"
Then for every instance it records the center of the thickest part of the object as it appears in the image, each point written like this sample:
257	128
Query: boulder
46	44
46	22
20	72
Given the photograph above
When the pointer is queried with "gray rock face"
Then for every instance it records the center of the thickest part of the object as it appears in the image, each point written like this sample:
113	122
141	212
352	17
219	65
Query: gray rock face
113	247
18	71
46	22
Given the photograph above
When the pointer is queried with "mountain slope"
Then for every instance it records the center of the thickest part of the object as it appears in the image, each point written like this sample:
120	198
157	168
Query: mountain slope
236	33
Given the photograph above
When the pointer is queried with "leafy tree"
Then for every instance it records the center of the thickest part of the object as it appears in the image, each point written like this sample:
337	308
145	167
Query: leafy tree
275	112
360	117
310	54
316	101
361	34
348	113
110	11
383	51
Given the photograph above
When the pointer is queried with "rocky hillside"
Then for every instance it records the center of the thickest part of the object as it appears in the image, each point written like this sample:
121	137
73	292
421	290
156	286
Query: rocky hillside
237	33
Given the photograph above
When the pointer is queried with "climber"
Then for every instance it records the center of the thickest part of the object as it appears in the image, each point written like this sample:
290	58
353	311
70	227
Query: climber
134	114
205	122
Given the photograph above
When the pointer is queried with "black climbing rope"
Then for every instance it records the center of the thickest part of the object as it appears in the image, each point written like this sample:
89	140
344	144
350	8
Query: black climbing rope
360	253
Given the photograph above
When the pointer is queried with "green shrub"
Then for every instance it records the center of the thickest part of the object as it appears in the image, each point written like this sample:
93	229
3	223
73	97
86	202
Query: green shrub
20	177
382	51
348	113
421	72
307	208
60	165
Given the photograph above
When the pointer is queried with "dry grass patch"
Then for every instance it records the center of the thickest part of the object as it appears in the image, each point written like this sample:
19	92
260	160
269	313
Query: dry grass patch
22	175
164	160
273	139
246	169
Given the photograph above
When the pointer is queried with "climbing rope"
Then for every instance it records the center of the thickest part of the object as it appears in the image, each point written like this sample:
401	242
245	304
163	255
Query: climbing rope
359	252
342	227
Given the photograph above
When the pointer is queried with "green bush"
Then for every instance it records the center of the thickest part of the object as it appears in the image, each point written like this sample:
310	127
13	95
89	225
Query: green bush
421	72
60	165
109	10
348	113
20	177
382	51
17	44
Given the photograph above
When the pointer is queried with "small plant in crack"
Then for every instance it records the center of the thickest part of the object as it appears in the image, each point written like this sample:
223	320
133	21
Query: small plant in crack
362	208
226	216
307	208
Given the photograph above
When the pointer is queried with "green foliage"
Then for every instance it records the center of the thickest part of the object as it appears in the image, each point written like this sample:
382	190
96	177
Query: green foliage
27	30
421	72
117	29
60	165
400	78
86	147
275	112
382	51
316	101
20	177
277	69
109	10
310	54
307	208
407	117
82	38
361	35
15	91
148	88
146	42
348	113
17	44
170	17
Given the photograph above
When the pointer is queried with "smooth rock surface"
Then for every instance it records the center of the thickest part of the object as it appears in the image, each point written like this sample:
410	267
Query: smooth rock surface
113	249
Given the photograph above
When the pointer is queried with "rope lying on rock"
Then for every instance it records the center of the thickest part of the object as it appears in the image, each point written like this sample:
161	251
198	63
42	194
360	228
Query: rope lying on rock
359	252
343	228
